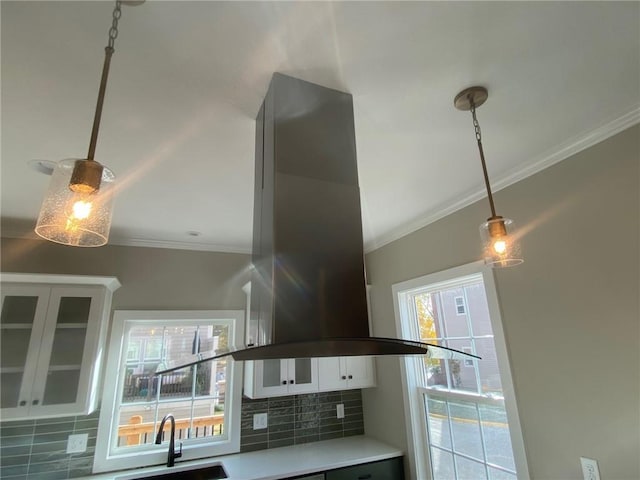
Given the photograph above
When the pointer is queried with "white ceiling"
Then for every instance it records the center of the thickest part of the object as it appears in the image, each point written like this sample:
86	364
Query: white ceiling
187	80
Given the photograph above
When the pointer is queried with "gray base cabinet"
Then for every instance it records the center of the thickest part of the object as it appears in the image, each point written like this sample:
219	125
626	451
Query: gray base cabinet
391	469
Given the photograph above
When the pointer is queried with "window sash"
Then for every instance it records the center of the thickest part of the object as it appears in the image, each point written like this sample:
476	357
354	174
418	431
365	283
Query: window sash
111	457
413	373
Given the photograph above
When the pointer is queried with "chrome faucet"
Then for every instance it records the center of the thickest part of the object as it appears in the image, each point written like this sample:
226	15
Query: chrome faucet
172	455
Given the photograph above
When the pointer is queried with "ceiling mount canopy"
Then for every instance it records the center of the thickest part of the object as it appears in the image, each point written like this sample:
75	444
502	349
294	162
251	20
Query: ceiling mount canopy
78	205
501	246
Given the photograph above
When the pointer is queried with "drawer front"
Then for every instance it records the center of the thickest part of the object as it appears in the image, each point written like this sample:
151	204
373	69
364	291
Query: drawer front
391	469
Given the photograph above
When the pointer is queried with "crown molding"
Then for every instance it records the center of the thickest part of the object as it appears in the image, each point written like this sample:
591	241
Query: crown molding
552	156
203	247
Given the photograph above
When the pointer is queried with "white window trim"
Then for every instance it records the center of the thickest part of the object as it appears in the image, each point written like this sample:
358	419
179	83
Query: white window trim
419	463
104	460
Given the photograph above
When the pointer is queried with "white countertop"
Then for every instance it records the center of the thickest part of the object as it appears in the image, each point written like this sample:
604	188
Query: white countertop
278	463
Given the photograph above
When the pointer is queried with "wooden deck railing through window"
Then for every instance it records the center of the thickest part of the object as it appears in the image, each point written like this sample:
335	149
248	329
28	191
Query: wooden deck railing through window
136	432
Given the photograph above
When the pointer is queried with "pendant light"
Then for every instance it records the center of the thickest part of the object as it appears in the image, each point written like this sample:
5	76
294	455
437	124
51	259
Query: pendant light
501	246
78	205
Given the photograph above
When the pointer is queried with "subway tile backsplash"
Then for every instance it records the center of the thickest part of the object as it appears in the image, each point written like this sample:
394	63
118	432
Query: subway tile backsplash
301	419
36	449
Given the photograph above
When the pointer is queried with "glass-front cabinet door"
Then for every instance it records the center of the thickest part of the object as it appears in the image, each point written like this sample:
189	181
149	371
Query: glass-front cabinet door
286	377
51	343
63	365
22	320
304	373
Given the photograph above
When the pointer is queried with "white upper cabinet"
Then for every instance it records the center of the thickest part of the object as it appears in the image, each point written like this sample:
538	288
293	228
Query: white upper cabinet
343	373
52	329
274	378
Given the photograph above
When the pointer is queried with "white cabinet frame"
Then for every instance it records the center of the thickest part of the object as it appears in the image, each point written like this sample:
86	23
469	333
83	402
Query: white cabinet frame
50	289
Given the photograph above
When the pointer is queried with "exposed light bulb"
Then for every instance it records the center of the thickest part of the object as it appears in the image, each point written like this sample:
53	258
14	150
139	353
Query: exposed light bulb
500	246
81	209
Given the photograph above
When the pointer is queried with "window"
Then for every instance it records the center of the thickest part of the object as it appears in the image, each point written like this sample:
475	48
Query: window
463	413
460	306
204	398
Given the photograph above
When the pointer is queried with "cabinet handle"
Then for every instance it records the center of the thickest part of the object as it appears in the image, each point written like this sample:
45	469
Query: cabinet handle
284	382
350	377
35	402
23	403
292	381
343	377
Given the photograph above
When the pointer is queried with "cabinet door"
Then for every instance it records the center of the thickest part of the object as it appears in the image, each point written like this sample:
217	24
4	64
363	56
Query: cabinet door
271	378
66	352
331	374
303	375
22	321
359	372
391	469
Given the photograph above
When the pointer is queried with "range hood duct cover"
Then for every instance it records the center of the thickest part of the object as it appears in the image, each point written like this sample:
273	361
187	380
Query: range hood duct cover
308	287
308	281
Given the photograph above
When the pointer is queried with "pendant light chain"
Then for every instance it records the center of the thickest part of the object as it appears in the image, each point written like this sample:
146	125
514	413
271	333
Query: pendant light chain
476	126
113	34
113	31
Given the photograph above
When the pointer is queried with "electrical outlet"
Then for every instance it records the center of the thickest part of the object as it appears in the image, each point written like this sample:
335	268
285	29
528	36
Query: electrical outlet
340	410
260	421
590	469
77	443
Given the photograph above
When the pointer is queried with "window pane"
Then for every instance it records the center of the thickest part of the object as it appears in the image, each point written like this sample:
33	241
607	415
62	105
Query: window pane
496	436
455	325
442	464
136	425
466	429
478	309
495	474
208	418
439	434
178	384
463	375
470	470
488	366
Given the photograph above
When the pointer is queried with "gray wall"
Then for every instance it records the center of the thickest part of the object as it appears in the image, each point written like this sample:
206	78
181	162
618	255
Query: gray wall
570	312
151	278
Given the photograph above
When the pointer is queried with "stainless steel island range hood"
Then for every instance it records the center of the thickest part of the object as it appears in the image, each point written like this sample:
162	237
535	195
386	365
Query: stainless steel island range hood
308	289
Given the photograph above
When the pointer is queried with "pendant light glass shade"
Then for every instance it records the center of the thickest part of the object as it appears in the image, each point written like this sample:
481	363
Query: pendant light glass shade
80	217
501	247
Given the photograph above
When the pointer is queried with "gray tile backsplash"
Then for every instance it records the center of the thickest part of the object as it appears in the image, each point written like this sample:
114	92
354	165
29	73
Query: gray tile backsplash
301	419
36	449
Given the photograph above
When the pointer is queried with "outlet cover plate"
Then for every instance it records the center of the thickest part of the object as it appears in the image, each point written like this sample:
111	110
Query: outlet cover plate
77	443
590	469
260	421
340	410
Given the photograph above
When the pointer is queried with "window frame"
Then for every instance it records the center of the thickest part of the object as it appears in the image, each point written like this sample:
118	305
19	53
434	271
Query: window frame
412	373
104	459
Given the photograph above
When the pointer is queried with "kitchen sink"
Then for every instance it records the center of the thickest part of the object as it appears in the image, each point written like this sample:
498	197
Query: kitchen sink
208	473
